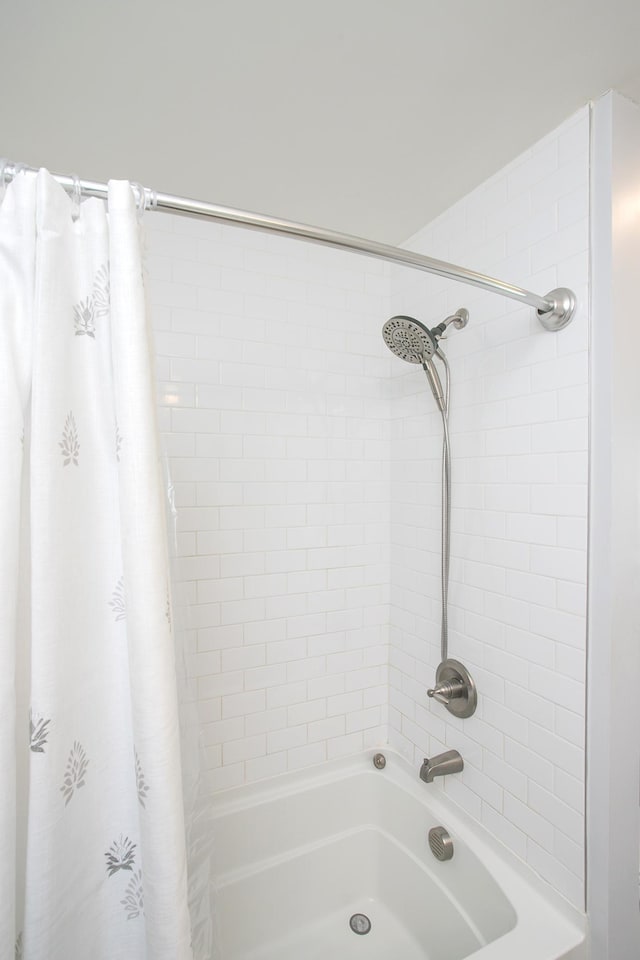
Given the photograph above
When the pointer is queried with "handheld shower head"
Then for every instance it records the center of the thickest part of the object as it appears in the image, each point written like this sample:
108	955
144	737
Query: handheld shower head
435	383
412	341
409	339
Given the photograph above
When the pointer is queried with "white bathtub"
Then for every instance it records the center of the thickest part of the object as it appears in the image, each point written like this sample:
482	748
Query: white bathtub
295	857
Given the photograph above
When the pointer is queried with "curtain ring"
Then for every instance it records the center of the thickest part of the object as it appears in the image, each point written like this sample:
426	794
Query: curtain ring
76	196
9	169
140	198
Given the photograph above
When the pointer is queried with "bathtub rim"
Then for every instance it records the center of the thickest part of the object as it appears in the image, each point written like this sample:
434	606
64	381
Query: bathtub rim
516	879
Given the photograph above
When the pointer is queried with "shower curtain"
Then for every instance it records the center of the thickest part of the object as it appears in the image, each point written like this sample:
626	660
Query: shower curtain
92	842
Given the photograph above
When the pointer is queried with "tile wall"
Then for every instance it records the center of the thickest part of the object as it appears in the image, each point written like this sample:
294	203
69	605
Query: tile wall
306	466
519	413
274	408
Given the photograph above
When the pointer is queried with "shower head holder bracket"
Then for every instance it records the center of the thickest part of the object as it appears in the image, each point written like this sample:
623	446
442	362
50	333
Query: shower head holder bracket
455	689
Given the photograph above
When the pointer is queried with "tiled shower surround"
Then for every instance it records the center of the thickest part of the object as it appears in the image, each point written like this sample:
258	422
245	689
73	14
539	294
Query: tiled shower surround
519	434
275	394
306	465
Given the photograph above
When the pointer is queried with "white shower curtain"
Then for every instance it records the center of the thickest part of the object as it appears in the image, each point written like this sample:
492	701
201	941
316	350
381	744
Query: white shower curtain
92	843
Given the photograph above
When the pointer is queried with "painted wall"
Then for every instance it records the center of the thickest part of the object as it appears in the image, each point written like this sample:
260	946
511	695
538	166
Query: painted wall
519	414
306	463
614	621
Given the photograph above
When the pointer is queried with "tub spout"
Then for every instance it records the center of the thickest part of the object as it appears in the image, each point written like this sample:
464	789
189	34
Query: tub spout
444	763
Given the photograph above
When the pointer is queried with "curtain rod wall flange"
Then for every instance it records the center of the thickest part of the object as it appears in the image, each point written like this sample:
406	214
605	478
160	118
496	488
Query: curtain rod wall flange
554	311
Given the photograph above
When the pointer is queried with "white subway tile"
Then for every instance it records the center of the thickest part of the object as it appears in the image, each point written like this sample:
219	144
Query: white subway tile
233	751
242	704
325	687
258	678
241	564
240	611
563	436
306	712
286	694
560	563
223	731
344	746
529	705
286	738
570	662
527	646
361	719
533	588
484	787
265	631
572	597
513	781
498	716
219	685
344	703
306	669
534	766
223	778
504	830
283	651
561	372
557	688
341	662
265	722
263	540
515	669
531	170
557	751
241	658
507	610
262	767
265	585
572	532
306	626
220	638
569	789
527	819
556	874
326	729
570	726
306	756
570	853
558	625
466	798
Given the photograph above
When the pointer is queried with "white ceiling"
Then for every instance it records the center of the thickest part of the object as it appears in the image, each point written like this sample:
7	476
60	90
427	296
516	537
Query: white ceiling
366	116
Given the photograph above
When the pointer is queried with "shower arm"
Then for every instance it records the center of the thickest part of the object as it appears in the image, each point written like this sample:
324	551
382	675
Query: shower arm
554	311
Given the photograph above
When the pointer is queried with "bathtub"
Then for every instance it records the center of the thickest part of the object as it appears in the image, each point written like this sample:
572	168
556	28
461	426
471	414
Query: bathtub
296	857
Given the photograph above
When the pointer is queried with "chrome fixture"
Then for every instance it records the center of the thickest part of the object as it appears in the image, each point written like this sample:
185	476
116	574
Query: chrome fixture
379	761
440	843
409	339
440	766
455	689
360	924
554	311
412	341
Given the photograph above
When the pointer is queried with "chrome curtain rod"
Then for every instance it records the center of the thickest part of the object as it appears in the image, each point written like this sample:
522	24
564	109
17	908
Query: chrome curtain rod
554	311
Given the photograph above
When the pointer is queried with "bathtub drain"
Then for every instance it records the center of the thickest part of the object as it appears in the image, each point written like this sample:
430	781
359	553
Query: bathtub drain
360	924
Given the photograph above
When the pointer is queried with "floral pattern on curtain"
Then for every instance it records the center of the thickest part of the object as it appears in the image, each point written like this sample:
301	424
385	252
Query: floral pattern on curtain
92	841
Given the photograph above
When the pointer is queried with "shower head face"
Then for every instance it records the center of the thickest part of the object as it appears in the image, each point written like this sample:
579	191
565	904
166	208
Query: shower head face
409	339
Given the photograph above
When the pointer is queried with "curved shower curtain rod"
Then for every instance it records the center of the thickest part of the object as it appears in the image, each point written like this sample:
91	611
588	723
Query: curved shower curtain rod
555	310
